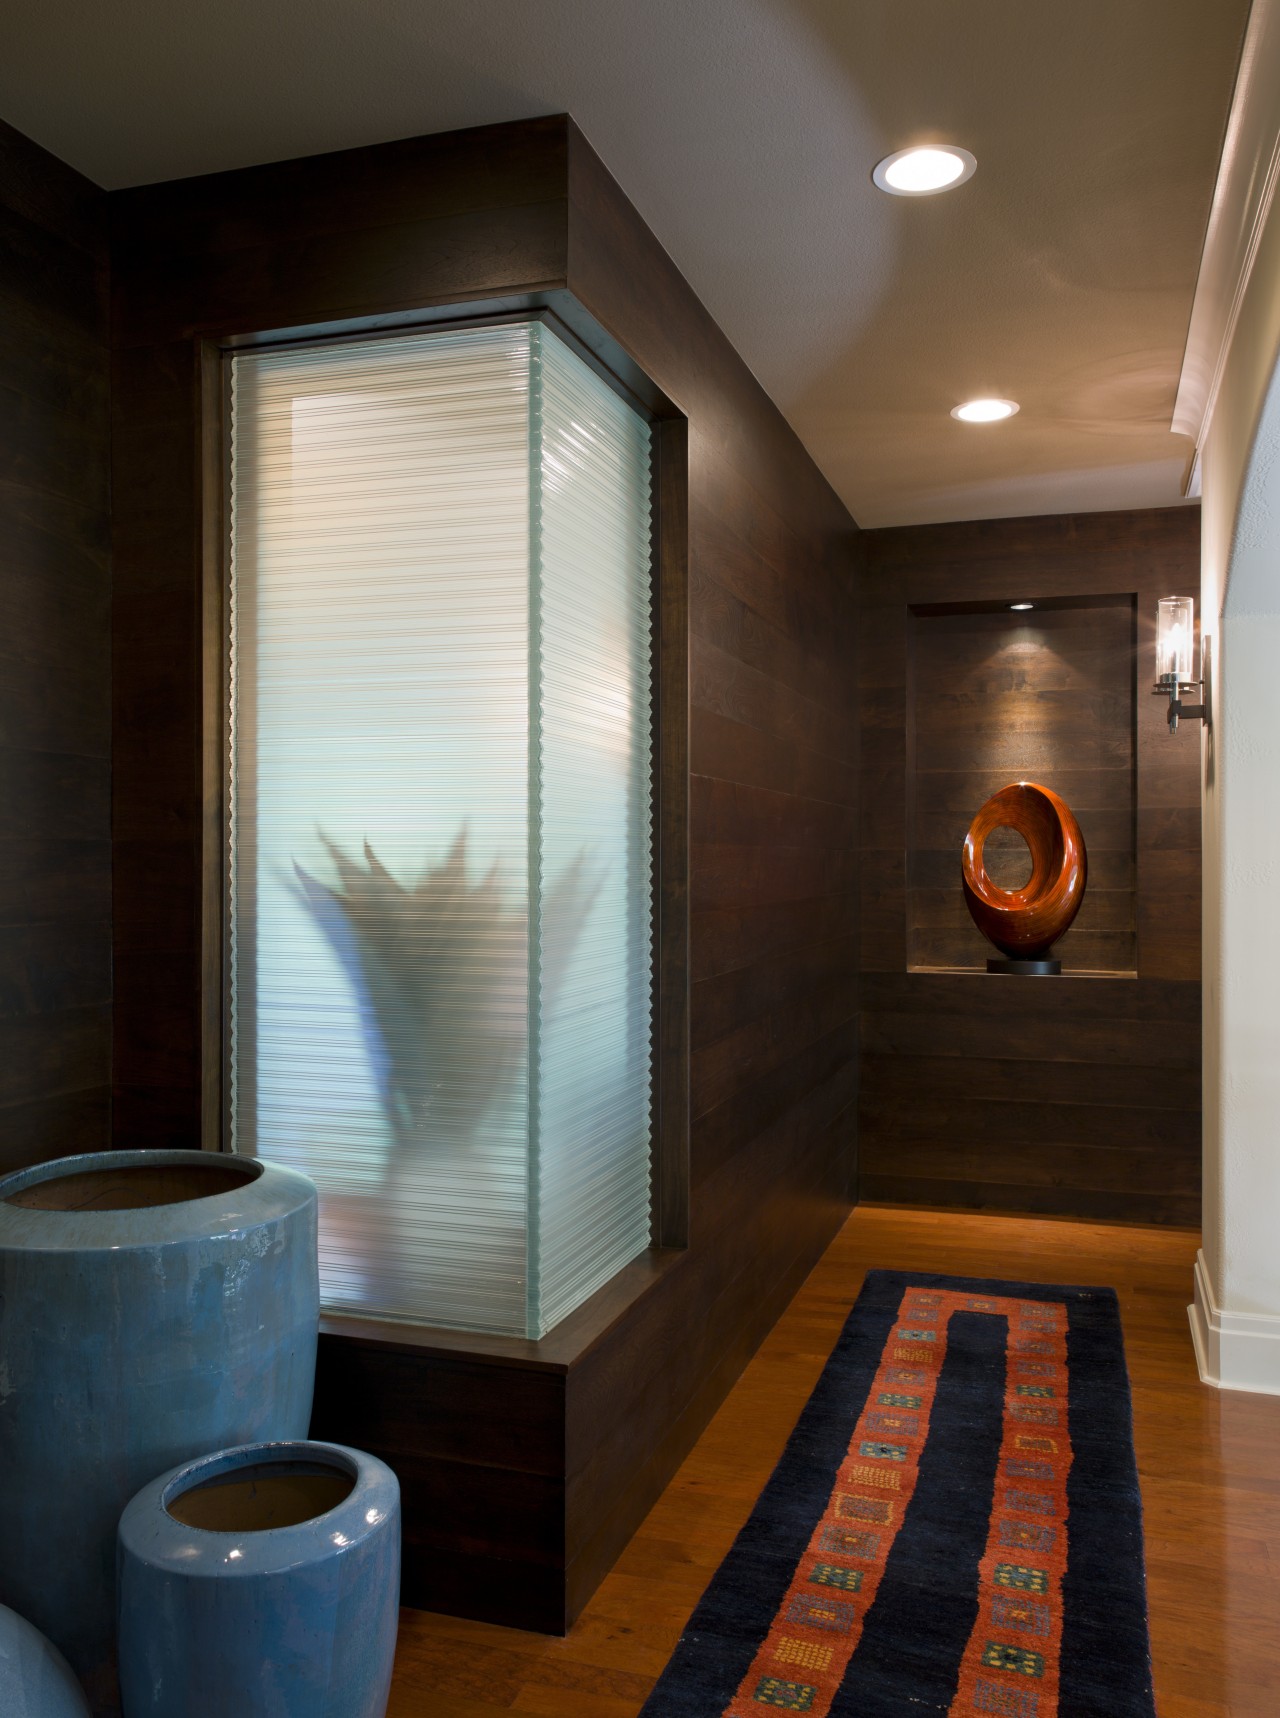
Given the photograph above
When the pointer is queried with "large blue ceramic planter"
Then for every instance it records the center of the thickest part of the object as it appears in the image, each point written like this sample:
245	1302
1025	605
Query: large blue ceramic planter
154	1306
35	1680
264	1582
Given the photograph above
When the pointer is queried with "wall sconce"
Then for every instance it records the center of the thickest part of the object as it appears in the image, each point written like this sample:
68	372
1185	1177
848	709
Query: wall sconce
1175	660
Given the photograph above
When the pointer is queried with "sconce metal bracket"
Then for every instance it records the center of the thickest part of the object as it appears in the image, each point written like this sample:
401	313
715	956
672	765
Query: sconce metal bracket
1177	709
1175	690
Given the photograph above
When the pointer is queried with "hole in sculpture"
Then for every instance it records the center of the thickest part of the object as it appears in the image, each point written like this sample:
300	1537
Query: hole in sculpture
1006	858
259	1498
133	1187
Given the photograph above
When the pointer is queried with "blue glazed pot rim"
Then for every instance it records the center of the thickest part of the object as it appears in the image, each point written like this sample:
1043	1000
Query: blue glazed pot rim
299	1455
103	1162
262	1193
149	1531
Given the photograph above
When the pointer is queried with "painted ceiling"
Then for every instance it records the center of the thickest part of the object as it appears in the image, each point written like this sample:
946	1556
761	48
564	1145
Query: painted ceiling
745	131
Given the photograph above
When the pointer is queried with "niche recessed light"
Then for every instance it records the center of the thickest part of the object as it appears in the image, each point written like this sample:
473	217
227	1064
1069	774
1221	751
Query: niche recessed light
984	411
924	170
1020	605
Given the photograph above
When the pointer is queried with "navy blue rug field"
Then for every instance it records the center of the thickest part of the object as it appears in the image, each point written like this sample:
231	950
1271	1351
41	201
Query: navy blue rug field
955	1526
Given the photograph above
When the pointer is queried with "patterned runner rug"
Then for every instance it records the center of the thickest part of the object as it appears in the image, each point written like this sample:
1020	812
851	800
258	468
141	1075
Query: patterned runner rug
954	1528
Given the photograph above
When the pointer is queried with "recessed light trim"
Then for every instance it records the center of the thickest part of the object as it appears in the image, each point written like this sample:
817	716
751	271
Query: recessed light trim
984	411
1017	606
924	170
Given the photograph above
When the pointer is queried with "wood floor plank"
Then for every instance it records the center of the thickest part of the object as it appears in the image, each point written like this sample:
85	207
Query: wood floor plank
1209	1464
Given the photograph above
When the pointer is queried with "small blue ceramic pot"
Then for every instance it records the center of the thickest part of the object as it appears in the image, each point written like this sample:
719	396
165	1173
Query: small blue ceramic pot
264	1582
35	1680
154	1306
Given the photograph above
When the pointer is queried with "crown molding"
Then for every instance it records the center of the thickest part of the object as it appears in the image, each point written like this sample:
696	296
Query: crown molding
1248	175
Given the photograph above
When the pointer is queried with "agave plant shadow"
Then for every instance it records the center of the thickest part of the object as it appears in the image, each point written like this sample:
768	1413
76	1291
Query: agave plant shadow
439	972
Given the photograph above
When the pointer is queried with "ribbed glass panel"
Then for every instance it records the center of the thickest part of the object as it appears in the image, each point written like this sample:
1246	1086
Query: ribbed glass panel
593	578
379	847
440	736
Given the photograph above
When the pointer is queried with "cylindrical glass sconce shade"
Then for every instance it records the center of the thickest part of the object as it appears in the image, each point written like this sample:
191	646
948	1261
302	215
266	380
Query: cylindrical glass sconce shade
1175	639
440	845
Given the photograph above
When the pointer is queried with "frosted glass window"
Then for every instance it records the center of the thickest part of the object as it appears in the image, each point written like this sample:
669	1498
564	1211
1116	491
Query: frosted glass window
440	859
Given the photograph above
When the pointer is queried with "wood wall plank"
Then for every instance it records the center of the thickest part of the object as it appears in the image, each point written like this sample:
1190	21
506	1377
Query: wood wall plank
1073	1096
773	750
55	595
995	697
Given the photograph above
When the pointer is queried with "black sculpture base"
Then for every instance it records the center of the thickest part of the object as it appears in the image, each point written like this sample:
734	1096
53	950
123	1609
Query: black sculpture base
1026	968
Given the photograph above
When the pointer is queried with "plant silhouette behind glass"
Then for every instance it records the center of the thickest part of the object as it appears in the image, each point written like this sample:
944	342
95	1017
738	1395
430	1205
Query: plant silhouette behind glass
440	977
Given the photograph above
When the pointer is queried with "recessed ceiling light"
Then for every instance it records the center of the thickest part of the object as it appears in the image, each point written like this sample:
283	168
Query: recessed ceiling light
984	411
924	170
1017	605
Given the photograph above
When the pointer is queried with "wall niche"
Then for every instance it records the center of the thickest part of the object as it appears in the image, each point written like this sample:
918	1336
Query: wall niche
996	696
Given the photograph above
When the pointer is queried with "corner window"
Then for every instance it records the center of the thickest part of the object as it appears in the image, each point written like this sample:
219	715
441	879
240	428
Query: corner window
440	870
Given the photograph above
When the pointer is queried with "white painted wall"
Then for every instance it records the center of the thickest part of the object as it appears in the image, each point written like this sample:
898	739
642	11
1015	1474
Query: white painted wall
1236	1315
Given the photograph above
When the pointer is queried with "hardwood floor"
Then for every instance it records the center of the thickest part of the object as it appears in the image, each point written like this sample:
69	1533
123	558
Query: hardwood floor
1209	1463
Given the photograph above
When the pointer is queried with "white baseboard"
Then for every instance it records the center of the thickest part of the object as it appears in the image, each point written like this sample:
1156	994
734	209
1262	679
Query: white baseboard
1234	1350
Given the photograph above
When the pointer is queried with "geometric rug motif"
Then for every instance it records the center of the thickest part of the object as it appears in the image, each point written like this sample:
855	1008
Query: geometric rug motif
954	1528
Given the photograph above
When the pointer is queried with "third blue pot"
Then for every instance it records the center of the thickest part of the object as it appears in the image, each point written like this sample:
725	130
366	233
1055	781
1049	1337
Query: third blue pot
263	1582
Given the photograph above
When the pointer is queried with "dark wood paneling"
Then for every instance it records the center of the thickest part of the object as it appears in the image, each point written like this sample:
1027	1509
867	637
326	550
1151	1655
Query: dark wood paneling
1074	1095
643	1393
398	227
995	697
62	1053
757	638
55	594
65	1124
478	1446
773	755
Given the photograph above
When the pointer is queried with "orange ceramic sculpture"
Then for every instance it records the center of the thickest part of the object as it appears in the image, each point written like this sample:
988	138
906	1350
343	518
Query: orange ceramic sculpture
1024	923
